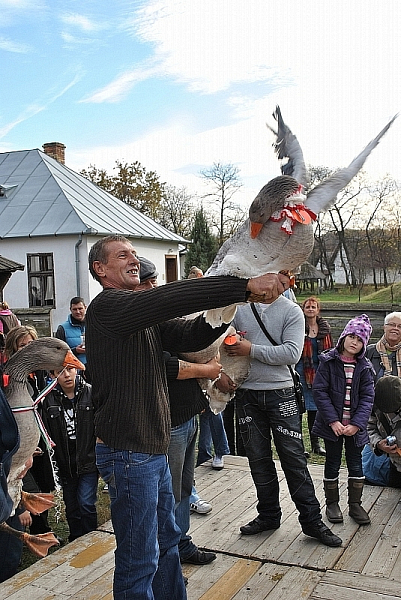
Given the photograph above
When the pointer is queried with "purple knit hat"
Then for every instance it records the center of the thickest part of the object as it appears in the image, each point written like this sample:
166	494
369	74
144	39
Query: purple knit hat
359	326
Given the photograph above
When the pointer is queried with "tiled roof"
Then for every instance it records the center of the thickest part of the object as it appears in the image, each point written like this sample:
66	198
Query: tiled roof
40	196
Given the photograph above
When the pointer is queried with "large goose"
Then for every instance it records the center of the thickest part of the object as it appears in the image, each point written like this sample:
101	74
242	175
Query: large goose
279	232
48	354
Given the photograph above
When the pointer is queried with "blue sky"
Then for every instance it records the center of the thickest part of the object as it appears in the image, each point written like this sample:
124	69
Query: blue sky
180	84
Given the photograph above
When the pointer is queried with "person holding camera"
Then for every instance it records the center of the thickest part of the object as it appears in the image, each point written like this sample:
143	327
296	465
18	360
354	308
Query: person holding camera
266	406
384	427
343	390
380	464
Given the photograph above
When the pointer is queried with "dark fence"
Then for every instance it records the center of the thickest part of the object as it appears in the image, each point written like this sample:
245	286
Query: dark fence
338	314
40	318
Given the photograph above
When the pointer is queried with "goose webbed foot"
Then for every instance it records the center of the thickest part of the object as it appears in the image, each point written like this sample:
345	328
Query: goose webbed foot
37	503
39	544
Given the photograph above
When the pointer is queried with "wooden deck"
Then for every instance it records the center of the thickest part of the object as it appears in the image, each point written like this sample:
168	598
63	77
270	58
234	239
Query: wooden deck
278	565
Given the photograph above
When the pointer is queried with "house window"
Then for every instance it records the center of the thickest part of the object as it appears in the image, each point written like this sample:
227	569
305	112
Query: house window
41	280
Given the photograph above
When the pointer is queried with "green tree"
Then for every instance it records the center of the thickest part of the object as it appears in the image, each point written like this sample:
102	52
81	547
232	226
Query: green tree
132	184
98	177
203	247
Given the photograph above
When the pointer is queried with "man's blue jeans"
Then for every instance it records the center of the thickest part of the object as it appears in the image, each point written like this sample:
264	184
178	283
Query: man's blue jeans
80	495
211	428
147	564
181	460
260	414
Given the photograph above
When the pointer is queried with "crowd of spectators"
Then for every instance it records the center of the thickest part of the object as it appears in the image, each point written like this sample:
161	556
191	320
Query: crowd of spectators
139	405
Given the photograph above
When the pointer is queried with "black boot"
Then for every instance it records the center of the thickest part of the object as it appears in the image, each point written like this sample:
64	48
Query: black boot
333	511
355	489
316	447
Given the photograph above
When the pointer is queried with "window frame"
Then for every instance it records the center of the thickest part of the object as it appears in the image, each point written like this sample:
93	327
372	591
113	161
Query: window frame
42	279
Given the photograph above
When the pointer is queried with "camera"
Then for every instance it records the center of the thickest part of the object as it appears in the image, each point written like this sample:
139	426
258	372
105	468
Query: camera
390	440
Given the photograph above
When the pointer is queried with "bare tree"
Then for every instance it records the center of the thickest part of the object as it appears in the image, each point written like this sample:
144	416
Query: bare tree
381	191
343	215
177	210
226	182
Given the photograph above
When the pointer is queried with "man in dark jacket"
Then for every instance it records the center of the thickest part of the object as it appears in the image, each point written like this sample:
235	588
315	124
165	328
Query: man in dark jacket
68	417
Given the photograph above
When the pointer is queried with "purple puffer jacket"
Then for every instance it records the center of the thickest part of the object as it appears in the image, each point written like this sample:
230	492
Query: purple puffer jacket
329	393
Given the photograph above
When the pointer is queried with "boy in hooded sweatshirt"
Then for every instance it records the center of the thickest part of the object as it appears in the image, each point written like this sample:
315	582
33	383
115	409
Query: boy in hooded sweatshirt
343	390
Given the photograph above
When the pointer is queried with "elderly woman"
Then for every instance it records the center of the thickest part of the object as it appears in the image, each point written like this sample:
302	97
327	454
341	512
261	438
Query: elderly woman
386	354
317	339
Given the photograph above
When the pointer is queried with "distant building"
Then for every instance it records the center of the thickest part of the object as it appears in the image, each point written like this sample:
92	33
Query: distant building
51	216
359	257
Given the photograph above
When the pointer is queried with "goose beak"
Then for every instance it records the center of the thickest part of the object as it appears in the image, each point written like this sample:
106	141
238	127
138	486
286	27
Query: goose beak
255	229
72	361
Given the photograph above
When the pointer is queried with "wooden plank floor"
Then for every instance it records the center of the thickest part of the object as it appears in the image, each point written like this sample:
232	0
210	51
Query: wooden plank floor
272	565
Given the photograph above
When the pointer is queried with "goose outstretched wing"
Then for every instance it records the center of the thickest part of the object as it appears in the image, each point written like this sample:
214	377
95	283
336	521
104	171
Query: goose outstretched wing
323	195
287	146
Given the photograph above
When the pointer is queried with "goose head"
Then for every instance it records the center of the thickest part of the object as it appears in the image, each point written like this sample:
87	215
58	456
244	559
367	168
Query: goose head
45	353
271	198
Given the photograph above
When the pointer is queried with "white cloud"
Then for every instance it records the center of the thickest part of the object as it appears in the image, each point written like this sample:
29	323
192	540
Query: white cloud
12	46
74	40
118	89
82	22
12	11
333	66
36	107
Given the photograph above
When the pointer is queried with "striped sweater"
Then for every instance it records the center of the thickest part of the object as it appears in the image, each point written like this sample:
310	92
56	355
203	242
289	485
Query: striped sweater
126	333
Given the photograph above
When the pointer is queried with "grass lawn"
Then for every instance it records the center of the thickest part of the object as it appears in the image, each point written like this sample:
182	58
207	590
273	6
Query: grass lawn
343	293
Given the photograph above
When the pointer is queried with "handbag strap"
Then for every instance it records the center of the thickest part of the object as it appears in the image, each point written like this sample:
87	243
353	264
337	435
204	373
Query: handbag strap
383	420
267	334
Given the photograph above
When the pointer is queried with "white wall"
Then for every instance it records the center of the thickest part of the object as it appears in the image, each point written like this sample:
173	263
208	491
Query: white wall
393	275
63	249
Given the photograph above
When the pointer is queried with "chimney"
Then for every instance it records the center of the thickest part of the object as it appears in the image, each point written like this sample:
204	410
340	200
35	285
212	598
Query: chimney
56	150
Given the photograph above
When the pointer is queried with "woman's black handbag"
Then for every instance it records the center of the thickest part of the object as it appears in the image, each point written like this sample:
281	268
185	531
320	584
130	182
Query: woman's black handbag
298	389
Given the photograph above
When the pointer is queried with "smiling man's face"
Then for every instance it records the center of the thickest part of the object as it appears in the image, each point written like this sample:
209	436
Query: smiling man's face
122	268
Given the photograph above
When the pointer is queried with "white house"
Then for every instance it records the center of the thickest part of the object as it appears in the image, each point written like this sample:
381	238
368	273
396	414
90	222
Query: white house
50	217
363	274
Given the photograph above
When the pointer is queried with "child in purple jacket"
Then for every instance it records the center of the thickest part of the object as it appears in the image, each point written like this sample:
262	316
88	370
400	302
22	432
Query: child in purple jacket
343	390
